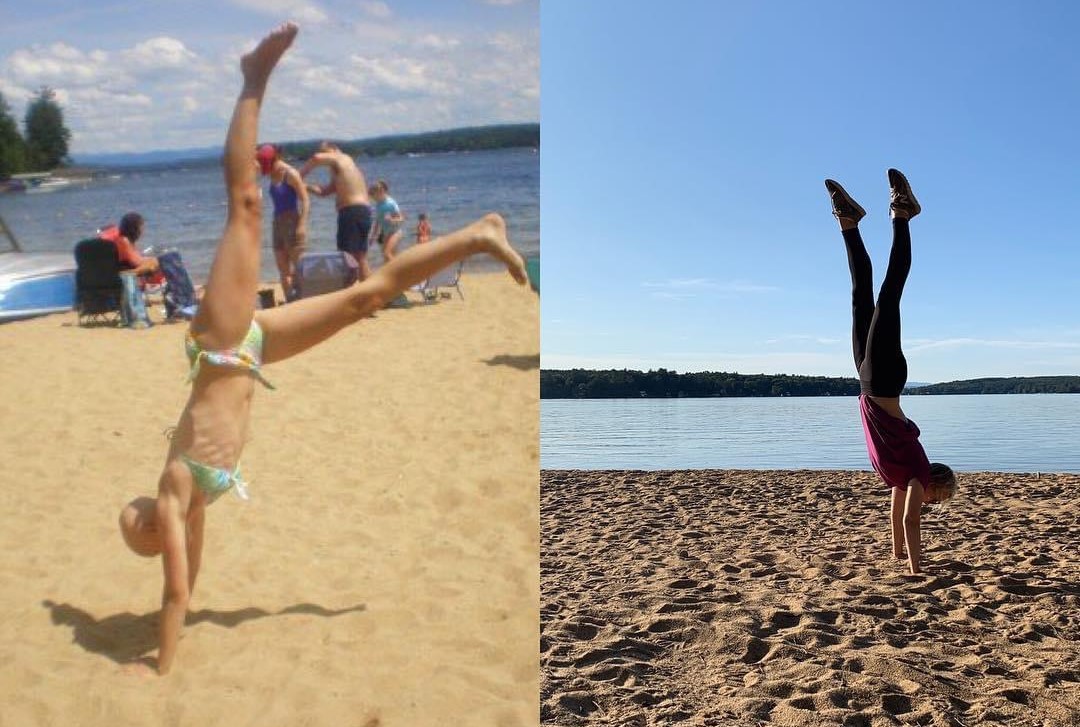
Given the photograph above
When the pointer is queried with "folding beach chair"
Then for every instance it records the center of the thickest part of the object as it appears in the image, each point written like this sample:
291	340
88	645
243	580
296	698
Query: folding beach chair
98	289
180	300
446	278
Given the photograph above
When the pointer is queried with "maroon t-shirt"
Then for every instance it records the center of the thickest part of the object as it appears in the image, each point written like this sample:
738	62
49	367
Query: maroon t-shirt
895	451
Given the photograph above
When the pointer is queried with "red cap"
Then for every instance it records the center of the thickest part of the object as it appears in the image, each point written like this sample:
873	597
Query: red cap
266	156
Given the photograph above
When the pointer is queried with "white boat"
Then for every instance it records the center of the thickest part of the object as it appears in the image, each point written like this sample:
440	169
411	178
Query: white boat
35	284
48	185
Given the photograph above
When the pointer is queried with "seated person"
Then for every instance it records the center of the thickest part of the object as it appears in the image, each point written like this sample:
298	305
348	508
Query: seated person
124	237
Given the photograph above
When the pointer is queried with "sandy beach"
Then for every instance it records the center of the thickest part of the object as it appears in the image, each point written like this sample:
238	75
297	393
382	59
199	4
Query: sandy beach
772	598
385	571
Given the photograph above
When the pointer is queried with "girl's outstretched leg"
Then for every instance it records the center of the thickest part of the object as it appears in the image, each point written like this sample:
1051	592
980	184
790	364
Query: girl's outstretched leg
228	303
298	326
886	368
848	212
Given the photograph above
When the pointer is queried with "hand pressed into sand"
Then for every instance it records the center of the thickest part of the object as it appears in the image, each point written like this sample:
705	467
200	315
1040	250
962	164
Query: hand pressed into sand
145	666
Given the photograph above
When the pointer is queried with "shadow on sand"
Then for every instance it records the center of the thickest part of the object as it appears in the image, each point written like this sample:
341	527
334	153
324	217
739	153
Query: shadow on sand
124	637
522	363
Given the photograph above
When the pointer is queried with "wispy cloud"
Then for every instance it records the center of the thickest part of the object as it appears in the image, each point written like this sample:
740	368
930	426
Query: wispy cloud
927	344
376	9
823	340
751	363
679	288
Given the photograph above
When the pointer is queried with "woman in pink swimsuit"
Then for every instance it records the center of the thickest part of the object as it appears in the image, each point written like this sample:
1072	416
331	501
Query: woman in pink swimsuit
891	438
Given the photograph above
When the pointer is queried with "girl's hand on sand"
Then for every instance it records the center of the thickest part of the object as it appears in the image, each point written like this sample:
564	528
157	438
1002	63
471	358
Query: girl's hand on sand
144	667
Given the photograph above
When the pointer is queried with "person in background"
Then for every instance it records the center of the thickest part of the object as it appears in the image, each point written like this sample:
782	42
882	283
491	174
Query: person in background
124	236
291	205
423	229
348	187
388	219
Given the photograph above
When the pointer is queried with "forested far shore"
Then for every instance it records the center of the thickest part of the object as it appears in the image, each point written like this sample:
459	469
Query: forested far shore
472	138
662	383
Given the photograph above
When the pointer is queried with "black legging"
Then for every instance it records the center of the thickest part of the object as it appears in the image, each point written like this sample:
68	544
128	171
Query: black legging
876	330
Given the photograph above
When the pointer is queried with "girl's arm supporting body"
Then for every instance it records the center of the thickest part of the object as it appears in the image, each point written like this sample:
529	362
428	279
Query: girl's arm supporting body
174	500
905	514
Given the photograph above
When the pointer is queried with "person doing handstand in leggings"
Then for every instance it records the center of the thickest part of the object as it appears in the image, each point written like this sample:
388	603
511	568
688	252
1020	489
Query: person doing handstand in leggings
229	342
891	438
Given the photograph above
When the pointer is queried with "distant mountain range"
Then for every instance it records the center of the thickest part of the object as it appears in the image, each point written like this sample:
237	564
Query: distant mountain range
470	138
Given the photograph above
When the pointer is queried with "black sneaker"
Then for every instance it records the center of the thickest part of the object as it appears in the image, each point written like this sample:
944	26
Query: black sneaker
901	198
843	206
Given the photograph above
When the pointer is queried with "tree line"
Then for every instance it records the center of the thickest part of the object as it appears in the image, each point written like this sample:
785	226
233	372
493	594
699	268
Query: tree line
42	144
473	138
662	383
1014	385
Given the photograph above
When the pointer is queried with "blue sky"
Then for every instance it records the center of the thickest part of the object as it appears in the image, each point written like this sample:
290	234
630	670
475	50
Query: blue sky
685	221
159	74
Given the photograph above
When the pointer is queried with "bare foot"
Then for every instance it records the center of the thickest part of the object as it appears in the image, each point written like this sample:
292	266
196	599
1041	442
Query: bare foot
494	234
257	65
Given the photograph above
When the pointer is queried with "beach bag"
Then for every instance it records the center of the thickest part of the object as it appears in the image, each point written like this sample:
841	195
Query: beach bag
179	296
132	304
324	272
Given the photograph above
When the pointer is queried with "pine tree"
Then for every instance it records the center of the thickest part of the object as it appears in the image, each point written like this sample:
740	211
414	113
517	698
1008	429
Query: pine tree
12	146
46	136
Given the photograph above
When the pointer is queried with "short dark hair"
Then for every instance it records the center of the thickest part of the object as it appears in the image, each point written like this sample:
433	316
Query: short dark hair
383	185
131	226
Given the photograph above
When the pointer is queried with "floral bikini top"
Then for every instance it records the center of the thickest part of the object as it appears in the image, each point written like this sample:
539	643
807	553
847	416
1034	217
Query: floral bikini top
248	355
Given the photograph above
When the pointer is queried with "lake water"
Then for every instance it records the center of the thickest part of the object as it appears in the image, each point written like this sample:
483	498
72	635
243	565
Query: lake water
185	208
1006	433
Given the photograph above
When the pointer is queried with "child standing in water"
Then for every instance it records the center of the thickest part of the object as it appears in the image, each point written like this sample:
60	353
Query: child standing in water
229	342
891	438
423	229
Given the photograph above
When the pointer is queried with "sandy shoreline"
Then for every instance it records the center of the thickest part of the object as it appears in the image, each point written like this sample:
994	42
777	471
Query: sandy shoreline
721	597
385	571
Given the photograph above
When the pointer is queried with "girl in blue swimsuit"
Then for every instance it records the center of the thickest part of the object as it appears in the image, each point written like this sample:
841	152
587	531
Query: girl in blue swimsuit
228	344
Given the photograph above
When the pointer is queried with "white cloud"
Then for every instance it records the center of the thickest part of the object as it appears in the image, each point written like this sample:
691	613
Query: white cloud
501	2
171	93
53	65
158	53
327	79
376	9
298	10
431	41
398	74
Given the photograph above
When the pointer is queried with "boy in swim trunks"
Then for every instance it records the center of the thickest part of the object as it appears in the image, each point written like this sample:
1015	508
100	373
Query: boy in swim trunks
891	438
353	205
229	342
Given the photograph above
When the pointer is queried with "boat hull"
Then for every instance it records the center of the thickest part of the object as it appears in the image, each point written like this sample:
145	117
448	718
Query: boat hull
35	284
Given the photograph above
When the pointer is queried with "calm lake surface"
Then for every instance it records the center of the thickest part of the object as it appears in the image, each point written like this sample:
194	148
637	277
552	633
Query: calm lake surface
185	208
1005	433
